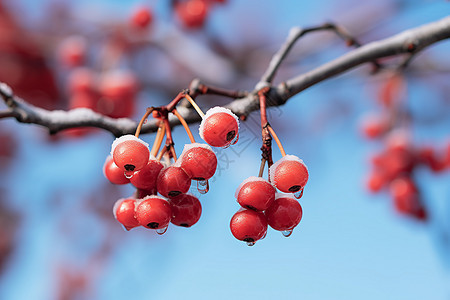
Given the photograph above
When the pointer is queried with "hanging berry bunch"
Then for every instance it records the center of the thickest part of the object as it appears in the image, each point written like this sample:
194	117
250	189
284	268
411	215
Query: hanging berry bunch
162	186
261	204
393	166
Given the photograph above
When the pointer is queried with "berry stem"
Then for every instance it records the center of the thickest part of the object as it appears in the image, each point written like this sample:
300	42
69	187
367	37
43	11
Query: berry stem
160	155
158	139
277	140
192	102
185	125
148	111
266	147
198	88
261	168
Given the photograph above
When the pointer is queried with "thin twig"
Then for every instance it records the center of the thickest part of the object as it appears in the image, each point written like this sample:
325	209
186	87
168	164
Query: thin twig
185	125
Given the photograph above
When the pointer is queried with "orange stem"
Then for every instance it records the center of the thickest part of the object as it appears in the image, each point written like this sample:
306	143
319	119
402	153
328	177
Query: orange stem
185	125
192	102
158	139
272	132
144	117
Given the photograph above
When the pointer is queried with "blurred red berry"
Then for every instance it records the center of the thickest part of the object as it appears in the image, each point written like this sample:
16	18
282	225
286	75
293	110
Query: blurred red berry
72	51
192	13
142	17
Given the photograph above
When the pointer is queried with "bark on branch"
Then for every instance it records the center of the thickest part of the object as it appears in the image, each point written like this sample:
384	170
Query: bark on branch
408	42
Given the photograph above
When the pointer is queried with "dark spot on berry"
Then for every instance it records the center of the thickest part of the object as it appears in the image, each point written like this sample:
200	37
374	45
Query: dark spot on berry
129	167
231	135
174	193
153	225
184	225
199	178
251	207
249	240
295	188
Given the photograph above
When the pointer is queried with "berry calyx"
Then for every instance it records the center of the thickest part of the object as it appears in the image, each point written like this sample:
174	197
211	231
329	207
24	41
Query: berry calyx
199	161
173	181
124	212
255	193
153	212
113	173
186	210
219	127
289	174
248	226
145	178
284	214
130	153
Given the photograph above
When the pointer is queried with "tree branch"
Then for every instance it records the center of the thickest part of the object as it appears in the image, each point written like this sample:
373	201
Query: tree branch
408	42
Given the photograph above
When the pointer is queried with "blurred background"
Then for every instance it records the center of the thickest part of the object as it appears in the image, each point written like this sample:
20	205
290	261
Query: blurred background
58	237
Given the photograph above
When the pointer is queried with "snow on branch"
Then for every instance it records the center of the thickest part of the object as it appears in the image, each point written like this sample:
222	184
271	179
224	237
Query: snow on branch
408	42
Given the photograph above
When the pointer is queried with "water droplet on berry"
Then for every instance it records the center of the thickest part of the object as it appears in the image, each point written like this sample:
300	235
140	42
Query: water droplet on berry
161	231
128	174
264	236
250	243
298	194
202	186
235	140
287	233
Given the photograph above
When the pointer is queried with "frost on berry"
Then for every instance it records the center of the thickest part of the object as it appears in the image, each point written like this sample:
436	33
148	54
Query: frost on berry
285	213
130	153
153	212
219	127
255	193
289	174
198	160
186	210
124	212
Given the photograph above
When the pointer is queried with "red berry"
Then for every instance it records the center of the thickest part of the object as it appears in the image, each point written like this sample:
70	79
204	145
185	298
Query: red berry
376	181
72	51
173	181
255	193
198	161
374	126
113	173
146	177
124	212
284	214
186	210
219	127
130	153
392	90
429	157
142	17
153	212
289	174
82	80
406	198
118	90
248	226
192	13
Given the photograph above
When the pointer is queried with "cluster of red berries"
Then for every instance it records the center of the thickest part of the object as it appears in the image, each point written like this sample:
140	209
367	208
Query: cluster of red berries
162	189
393	168
262	205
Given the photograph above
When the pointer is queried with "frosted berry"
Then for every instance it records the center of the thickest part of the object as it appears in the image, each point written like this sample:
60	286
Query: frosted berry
186	210
142	17
219	127
173	181
72	51
130	153
289	174
153	212
198	161
146	177
255	193
248	226
124	212
113	173
284	214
